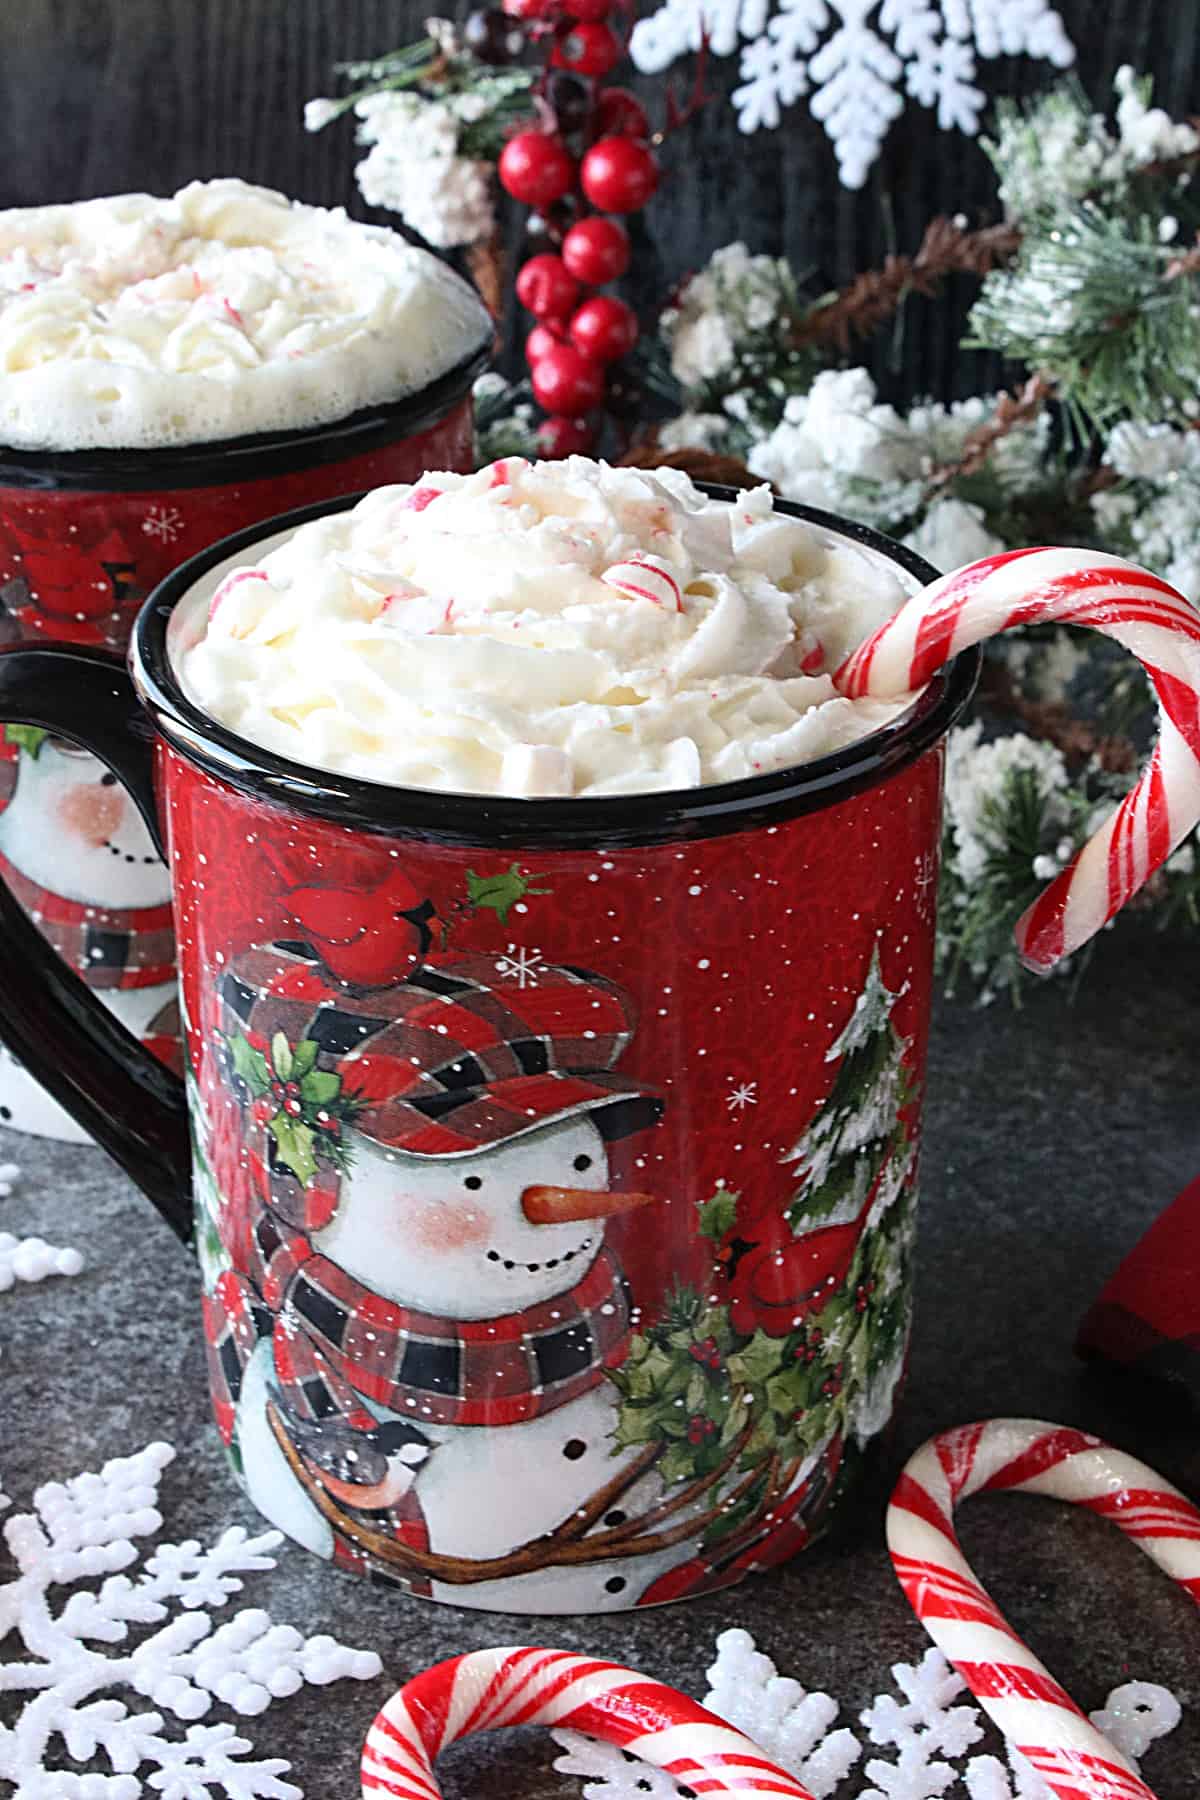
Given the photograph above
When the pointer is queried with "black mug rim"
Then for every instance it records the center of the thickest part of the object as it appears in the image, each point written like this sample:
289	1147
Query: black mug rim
498	821
222	462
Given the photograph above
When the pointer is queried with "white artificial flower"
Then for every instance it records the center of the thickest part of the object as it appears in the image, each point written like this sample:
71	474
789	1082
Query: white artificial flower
694	431
412	169
953	533
976	774
836	447
701	347
318	113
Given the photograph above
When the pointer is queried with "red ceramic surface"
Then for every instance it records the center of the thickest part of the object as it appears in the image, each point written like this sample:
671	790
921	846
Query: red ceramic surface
556	1207
75	566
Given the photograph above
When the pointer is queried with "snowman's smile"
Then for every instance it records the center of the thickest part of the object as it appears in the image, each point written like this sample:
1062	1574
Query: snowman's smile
551	1262
126	855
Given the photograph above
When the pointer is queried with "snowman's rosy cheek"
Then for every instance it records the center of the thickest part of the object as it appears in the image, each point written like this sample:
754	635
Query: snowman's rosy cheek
90	811
446	1225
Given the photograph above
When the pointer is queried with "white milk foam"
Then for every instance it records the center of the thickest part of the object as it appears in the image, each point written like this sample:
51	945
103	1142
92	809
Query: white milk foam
134	322
547	629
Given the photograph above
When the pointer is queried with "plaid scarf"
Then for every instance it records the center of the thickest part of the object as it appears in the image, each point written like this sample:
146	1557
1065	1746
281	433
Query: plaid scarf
435	1371
111	947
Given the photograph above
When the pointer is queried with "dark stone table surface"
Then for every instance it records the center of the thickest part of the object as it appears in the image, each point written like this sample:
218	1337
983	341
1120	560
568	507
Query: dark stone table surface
1055	1134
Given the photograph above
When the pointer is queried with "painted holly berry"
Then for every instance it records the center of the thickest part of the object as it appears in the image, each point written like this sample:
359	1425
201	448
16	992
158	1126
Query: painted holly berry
536	168
700	1429
566	381
302	1106
590	48
596	250
604	327
619	174
546	288
707	1353
587	9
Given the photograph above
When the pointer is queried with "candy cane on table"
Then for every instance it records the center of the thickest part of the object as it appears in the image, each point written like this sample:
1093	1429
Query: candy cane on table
1067	587
520	1686
1027	1457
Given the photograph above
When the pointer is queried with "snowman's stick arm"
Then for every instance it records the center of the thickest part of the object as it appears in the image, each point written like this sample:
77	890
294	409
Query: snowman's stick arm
600	1502
701	1485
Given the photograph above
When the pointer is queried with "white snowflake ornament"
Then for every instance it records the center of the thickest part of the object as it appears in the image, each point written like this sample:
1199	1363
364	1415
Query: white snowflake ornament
33	1259
854	57
793	1726
83	1531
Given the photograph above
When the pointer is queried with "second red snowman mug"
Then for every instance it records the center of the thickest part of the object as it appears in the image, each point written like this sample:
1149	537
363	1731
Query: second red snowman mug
554	1170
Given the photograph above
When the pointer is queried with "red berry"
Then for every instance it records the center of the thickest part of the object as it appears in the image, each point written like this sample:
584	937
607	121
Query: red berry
292	1108
545	288
262	1110
620	114
535	168
561	436
542	339
587	9
604	328
619	175
596	251
566	381
589	48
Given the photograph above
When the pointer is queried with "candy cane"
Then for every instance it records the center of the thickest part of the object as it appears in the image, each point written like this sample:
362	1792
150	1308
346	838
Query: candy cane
516	1686
1067	587
1027	1457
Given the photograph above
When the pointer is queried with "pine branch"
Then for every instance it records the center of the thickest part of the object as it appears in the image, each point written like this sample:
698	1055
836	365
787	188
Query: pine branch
947	248
1011	410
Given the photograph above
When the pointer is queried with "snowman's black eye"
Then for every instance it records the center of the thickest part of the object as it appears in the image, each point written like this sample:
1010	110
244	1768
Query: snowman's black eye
473	1181
582	1163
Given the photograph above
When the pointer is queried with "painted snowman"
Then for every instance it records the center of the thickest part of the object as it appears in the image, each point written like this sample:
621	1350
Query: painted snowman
76	854
416	1352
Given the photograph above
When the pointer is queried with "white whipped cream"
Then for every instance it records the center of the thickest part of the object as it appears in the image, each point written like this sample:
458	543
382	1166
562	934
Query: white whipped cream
136	322
559	628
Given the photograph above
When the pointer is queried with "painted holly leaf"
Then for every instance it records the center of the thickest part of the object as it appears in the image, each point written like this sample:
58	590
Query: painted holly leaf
303	1058
294	1142
757	1361
676	1463
319	1086
718	1215
499	893
26	737
250	1064
281	1056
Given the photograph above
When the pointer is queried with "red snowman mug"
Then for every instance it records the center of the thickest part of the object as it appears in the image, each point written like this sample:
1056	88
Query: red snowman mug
84	537
554	1170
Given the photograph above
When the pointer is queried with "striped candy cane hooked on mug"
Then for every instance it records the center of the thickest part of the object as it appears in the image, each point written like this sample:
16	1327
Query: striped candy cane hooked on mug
490	1688
1067	587
1023	1698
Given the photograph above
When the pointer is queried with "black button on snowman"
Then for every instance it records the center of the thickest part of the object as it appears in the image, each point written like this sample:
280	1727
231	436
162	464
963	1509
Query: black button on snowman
413	1360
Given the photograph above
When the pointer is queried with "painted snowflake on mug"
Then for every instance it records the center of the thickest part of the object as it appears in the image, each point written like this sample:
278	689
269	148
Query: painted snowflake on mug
855	59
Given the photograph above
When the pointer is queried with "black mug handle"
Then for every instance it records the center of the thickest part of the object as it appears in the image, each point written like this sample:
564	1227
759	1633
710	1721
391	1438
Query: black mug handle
132	1104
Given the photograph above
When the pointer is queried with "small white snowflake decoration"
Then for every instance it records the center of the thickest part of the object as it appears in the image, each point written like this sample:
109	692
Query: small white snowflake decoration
164	523
145	1634
853	57
520	965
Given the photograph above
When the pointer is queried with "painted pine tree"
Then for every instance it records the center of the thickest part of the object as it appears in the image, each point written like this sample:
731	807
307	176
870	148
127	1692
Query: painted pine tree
859	1129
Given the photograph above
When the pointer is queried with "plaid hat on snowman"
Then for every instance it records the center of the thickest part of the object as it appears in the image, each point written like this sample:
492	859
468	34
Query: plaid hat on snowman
456	1059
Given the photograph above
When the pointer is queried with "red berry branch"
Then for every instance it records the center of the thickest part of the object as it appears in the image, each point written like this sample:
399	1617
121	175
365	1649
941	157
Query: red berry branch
586	160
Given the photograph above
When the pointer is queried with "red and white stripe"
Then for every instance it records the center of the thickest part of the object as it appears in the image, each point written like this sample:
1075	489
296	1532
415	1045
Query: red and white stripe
517	1686
645	578
1067	587
1027	1457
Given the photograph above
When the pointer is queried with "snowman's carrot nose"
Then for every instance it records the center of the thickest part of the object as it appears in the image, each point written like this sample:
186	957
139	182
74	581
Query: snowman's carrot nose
558	1205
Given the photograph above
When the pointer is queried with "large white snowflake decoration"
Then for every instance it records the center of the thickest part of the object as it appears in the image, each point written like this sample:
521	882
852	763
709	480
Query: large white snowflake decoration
148	1635
926	1733
853	64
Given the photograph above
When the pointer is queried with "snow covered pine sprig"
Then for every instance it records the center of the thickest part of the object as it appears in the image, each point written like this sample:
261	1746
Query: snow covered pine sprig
149	1634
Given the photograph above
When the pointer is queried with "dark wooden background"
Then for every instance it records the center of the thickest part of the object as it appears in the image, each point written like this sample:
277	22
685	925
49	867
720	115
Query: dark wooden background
102	95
